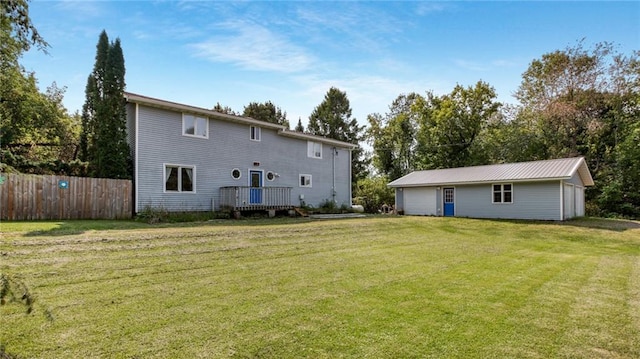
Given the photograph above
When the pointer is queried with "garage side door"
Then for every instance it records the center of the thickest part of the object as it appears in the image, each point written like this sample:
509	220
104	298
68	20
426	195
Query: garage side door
420	201
569	201
579	201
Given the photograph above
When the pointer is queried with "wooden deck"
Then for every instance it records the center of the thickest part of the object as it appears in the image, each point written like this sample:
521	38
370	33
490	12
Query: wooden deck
244	198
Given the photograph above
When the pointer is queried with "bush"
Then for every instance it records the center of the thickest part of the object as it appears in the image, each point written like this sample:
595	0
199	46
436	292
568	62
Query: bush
372	193
153	215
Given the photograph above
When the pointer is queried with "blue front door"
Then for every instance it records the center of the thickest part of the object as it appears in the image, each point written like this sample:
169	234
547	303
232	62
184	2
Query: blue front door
255	182
449	206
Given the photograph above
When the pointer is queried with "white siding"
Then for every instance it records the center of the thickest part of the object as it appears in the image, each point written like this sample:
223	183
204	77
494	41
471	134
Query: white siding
420	201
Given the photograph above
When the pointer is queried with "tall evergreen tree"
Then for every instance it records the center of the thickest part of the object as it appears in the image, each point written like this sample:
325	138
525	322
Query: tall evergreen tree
103	141
332	119
299	126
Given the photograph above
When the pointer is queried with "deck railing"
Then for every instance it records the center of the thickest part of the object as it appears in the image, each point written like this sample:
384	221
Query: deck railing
255	198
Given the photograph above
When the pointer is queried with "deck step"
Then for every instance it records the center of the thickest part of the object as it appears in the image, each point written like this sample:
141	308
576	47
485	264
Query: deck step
301	212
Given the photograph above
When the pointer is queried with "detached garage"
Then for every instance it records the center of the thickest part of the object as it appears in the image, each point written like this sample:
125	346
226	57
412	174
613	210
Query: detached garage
544	190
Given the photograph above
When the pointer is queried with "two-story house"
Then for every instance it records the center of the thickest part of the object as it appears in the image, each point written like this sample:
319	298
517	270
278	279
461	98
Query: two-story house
188	158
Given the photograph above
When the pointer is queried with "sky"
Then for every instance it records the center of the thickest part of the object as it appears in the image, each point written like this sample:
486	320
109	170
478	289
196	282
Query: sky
201	53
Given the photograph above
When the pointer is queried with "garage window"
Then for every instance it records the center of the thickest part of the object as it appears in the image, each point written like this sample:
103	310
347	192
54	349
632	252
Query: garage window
503	193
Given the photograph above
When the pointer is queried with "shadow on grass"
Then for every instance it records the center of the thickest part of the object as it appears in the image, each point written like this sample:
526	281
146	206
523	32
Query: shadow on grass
617	225
75	227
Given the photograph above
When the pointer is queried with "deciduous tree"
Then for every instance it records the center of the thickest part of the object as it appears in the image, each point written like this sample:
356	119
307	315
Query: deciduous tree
451	124
393	137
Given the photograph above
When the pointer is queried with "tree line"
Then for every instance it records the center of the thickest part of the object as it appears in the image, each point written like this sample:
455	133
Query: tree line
573	102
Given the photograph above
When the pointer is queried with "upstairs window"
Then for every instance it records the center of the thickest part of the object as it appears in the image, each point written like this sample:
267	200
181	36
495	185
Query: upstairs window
314	149
179	178
195	126
254	133
502	193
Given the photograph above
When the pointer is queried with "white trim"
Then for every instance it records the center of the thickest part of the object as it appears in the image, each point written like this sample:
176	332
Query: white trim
258	132
273	174
195	126
240	173
311	149
310	180
502	201
440	184
180	166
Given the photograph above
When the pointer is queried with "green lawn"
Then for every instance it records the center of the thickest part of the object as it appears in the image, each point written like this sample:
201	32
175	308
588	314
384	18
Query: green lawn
383	287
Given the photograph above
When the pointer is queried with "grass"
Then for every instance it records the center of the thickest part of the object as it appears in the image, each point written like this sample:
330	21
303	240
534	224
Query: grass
382	287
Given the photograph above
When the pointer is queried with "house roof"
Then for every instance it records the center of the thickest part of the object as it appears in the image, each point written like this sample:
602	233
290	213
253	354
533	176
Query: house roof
282	130
558	169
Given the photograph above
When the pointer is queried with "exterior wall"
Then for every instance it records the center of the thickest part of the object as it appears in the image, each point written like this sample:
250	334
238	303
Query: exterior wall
531	200
420	201
160	142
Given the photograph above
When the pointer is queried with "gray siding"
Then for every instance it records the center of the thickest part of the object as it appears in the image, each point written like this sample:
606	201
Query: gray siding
399	205
228	147
531	200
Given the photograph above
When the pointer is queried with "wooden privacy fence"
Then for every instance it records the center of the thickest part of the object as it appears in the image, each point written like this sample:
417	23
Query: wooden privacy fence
29	197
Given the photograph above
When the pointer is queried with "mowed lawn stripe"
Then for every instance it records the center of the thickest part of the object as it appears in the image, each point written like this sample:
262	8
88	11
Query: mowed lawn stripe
375	287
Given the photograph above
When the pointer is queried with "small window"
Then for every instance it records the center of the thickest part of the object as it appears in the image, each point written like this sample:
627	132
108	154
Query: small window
502	193
254	133
179	178
271	176
314	149
195	126
305	181
236	174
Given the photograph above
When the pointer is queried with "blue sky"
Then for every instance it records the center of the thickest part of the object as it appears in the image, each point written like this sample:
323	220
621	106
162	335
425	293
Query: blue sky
291	53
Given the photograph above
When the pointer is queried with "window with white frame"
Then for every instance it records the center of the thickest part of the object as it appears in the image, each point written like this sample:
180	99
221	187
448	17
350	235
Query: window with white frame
254	133
179	178
502	193
305	180
195	126
314	149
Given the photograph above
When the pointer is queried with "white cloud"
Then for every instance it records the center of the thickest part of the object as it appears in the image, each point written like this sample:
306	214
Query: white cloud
82	9
254	47
427	7
470	65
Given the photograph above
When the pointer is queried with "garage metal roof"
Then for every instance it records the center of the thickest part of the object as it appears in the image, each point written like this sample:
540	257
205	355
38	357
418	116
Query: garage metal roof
558	169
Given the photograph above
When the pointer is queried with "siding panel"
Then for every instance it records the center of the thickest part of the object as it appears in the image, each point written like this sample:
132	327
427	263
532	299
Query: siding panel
534	200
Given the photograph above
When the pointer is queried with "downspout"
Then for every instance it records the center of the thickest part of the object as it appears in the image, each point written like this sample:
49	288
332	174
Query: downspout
561	200
334	152
136	166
